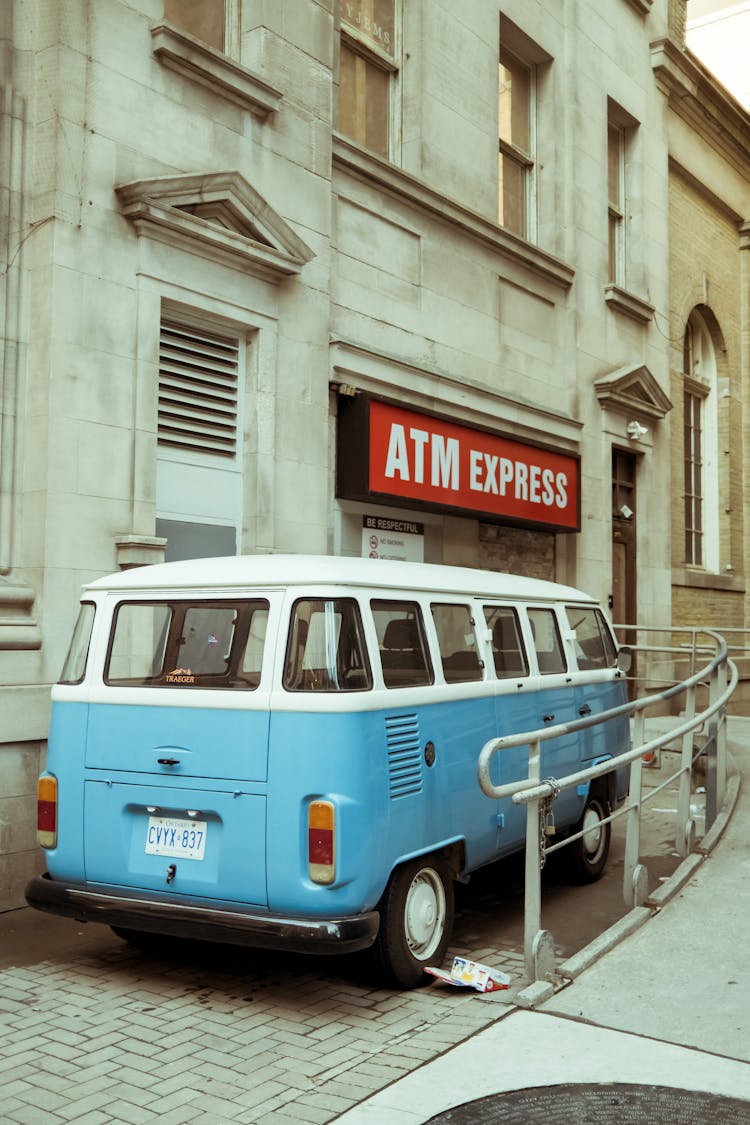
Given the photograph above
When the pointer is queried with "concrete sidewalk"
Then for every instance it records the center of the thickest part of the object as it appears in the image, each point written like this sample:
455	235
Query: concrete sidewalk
669	1006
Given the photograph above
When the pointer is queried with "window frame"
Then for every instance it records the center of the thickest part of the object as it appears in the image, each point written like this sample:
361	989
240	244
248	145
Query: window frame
559	647
616	207
177	610
231	37
410	606
518	157
368	51
701	503
313	684
463	670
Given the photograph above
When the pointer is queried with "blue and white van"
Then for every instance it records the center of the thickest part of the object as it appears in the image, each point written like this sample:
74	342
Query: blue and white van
282	750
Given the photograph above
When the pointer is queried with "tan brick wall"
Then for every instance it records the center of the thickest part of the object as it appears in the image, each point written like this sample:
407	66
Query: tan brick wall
705	273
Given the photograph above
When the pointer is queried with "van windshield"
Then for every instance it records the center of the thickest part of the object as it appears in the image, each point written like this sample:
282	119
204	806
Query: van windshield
171	643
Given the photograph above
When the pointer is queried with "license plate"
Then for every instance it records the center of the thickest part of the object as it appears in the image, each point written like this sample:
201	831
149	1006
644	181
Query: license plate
180	839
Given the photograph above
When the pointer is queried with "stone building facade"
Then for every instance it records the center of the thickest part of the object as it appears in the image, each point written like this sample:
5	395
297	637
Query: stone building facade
708	134
246	240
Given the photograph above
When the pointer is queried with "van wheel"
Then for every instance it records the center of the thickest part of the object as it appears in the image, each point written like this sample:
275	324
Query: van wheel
587	857
416	920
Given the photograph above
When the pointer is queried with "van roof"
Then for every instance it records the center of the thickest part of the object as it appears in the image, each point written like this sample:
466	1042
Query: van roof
270	570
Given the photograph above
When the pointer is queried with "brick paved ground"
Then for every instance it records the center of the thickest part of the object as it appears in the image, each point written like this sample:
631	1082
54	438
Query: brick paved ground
128	1037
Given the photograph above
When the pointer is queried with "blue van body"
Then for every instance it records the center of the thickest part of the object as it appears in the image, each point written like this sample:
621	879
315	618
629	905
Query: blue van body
321	795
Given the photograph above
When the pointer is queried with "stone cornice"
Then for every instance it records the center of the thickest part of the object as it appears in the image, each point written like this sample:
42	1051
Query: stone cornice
628	303
371	169
188	56
696	96
218	215
18	629
633	392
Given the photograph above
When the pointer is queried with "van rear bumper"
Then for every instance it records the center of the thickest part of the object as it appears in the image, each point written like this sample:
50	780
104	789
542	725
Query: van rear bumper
205	922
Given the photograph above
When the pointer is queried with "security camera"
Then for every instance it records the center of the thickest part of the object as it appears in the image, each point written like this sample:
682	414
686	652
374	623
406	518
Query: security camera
636	431
626	512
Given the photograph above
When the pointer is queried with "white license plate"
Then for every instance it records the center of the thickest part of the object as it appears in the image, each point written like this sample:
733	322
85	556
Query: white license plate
181	839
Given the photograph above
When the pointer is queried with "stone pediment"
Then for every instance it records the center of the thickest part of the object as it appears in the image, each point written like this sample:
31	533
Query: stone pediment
218	215
632	391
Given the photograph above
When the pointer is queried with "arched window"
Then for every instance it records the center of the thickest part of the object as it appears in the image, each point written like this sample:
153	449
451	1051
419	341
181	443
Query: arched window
701	485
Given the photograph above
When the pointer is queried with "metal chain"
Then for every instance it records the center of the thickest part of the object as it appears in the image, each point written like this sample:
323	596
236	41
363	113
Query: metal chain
545	811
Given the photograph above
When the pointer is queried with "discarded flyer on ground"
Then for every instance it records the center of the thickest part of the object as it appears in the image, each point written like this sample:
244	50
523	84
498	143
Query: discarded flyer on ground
470	974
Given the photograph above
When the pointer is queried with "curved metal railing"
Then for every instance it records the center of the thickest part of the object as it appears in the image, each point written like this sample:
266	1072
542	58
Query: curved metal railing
719	676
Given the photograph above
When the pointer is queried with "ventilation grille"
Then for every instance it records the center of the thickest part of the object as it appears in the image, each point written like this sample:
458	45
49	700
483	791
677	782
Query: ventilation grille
404	755
198	379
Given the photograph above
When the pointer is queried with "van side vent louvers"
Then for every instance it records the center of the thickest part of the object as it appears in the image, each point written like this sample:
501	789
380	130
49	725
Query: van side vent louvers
198	384
404	755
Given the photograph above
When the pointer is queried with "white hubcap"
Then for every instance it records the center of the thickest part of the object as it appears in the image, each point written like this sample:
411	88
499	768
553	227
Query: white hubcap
424	914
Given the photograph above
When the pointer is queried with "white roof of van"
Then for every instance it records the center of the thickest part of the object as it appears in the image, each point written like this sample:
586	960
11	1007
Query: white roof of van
269	571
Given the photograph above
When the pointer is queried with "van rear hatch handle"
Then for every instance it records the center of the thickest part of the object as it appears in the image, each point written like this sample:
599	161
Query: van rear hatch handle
168	761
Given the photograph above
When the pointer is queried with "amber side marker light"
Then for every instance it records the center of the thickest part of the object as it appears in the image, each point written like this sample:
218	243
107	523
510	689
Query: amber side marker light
46	811
321	841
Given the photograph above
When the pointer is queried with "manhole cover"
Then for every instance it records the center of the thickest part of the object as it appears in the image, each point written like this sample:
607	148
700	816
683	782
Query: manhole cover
599	1105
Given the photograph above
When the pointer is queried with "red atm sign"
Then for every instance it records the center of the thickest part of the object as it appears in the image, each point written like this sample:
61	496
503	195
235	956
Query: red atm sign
424	460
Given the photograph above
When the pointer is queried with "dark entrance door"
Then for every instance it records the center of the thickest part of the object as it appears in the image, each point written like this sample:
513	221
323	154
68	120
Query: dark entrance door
624	601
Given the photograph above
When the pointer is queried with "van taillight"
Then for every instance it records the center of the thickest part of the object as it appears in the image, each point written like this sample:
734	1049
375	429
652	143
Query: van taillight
321	841
46	811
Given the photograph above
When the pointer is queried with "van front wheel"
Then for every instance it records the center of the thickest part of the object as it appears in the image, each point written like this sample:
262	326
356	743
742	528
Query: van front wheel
416	920
587	857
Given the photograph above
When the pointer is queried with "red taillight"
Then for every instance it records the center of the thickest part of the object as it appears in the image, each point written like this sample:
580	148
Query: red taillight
321	842
46	811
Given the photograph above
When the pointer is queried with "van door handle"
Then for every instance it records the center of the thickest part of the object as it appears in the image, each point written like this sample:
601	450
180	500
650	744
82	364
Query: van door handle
548	718
585	710
168	761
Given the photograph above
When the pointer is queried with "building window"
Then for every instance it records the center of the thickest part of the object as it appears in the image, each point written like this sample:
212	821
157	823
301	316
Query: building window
616	202
199	472
367	73
701	505
214	22
517	116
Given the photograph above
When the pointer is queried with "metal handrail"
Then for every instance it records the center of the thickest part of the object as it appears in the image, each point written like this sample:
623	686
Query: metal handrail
533	790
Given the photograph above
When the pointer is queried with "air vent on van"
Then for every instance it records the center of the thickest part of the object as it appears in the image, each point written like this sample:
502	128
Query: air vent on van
404	755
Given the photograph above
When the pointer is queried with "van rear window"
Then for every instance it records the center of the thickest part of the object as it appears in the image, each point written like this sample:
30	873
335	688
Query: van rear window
198	644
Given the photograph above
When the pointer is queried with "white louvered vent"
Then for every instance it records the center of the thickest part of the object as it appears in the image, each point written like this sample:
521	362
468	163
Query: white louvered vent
198	379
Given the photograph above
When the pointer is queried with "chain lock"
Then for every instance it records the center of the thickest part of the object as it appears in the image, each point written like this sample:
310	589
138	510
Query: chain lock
546	818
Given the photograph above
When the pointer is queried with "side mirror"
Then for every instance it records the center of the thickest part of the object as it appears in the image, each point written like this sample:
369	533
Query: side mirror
624	659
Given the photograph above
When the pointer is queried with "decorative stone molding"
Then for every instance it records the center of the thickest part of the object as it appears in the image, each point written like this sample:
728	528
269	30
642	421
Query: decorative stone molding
139	550
218	215
18	629
633	392
628	303
196	60
369	168
698	97
642	6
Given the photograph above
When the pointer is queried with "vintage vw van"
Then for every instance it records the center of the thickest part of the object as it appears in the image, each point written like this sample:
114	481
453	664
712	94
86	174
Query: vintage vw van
282	750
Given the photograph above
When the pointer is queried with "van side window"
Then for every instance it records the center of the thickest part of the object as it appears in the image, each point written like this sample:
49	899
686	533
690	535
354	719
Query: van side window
457	641
326	647
186	644
403	648
547	642
508	649
593	644
74	668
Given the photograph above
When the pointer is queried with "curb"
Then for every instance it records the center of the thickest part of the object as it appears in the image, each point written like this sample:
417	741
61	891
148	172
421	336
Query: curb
567	971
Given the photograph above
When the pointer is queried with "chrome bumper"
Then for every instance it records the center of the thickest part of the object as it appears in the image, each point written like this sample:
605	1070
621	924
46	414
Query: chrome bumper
205	922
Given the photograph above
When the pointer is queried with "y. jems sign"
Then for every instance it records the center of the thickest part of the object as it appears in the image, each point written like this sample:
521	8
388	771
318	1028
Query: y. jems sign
392	454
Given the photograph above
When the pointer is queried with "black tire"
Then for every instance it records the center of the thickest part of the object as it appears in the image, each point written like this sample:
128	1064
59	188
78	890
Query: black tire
416	921
586	858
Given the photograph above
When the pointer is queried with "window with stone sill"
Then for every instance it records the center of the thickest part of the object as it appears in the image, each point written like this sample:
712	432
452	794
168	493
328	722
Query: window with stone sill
213	22
700	446
368	73
516	144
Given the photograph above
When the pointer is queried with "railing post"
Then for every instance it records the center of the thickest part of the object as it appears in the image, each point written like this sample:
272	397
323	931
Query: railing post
685	827
635	876
532	916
